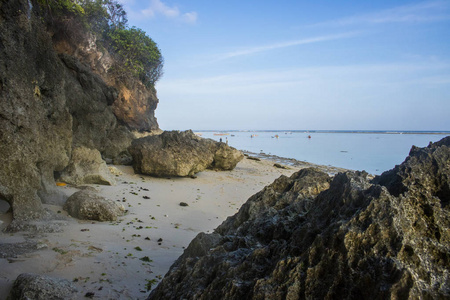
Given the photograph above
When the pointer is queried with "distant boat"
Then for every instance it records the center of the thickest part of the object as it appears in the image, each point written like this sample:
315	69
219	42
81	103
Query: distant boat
221	133
309	136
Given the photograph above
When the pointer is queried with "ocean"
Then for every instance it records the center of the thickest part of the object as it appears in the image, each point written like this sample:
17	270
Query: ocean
374	151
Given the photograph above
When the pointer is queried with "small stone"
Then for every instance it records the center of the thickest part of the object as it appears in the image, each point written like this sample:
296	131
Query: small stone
183	204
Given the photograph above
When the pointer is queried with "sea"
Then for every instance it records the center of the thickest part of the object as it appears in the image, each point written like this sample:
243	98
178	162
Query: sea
371	151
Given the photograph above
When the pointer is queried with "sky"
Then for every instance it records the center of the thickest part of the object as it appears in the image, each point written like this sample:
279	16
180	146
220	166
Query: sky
299	65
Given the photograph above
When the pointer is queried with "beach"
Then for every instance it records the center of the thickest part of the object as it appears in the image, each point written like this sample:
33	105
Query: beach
126	258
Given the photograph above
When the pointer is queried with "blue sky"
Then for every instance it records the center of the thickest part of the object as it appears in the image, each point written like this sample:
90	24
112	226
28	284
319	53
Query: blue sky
341	65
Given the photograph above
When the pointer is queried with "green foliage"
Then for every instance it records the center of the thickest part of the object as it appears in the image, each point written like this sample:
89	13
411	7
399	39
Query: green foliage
150	283
136	54
62	7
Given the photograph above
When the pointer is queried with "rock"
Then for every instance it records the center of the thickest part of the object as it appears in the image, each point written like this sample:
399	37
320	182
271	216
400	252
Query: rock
253	158
41	287
135	106
183	204
225	157
12	250
175	153
310	236
280	166
35	126
55	94
114	171
170	154
87	205
87	167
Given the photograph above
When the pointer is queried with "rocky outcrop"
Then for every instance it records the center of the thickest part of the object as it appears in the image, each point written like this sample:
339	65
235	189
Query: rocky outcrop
175	153
55	95
41	287
311	236
132	103
86	166
136	105
87	205
89	99
35	125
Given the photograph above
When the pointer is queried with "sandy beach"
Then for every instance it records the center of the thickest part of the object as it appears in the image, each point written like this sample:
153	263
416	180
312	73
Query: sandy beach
123	259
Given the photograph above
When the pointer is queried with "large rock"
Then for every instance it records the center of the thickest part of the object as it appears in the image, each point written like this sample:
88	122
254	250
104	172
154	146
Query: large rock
175	153
87	205
87	167
55	94
225	157
315	237
35	124
89	100
40	287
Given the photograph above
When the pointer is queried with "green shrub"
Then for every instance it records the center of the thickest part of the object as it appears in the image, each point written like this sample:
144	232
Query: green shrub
136	54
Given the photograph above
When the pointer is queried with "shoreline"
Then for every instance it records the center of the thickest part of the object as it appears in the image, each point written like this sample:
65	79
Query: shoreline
292	162
339	131
121	259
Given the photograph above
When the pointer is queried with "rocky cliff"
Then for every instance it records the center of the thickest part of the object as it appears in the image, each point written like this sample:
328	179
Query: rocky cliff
55	94
311	236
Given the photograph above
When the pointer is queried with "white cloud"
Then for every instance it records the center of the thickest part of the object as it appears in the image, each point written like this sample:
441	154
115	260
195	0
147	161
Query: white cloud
413	13
157	7
257	49
190	17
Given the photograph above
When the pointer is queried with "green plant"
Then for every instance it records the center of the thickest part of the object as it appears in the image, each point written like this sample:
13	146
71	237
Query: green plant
136	54
150	283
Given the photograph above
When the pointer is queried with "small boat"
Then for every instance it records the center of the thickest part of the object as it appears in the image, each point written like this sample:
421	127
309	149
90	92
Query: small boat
309	136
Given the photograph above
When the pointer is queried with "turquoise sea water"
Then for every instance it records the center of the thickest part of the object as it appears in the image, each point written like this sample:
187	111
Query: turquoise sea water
374	152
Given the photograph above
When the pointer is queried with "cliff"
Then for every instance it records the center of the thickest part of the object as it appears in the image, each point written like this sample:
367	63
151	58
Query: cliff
311	236
56	94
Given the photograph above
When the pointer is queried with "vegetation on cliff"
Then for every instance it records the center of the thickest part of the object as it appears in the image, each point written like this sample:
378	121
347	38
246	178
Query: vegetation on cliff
135	53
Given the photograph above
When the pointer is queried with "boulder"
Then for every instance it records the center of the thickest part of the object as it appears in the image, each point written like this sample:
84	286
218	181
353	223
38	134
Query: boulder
225	157
175	153
87	205
311	236
41	287
87	167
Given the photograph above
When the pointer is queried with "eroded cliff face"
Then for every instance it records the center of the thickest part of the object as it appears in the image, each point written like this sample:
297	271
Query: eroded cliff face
133	104
311	236
54	97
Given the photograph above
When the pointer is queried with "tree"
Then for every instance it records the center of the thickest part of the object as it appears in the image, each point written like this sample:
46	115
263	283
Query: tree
138	53
117	15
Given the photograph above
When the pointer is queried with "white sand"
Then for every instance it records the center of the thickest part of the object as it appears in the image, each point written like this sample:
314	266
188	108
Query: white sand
101	257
